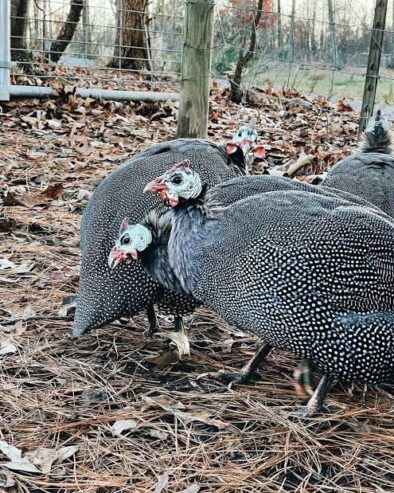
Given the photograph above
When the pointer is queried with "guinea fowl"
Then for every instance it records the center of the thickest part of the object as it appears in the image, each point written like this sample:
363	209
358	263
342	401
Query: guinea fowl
223	194
106	295
309	273
370	172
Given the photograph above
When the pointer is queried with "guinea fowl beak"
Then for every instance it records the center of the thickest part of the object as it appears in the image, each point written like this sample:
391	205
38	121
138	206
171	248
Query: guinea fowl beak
245	145
158	185
117	256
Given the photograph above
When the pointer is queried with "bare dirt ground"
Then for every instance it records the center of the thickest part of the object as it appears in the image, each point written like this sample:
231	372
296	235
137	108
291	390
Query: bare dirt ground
92	415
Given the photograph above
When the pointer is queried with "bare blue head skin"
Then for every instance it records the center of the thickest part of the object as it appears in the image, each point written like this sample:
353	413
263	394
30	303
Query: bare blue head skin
245	138
180	182
132	239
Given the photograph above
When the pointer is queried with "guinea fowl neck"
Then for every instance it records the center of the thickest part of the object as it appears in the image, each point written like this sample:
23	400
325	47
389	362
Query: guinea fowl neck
191	223
154	259
240	162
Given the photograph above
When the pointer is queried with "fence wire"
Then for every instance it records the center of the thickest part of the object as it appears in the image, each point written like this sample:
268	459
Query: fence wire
316	47
302	48
114	45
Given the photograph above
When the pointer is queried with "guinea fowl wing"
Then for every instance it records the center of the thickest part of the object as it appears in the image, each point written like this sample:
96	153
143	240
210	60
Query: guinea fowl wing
276	255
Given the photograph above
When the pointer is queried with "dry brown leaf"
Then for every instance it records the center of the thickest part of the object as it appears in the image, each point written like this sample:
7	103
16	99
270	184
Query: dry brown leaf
124	425
6	264
52	192
176	408
11	200
44	458
343	106
161	435
7	347
194	488
174	355
7	479
165	358
162	482
17	462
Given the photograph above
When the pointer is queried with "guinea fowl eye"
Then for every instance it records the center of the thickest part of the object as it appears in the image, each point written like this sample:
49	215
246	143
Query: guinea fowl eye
125	240
177	180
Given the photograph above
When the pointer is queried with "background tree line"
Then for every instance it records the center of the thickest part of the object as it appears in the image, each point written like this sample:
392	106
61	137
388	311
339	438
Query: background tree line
141	35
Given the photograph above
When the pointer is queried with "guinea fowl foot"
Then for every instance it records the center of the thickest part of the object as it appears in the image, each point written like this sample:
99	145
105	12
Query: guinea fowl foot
306	412
315	404
246	373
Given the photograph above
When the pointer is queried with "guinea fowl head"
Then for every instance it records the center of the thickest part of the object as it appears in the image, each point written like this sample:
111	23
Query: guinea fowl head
377	137
245	138
177	184
132	239
378	124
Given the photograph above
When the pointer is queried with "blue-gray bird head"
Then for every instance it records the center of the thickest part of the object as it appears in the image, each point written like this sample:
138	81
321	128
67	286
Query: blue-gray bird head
132	239
179	183
245	138
378	125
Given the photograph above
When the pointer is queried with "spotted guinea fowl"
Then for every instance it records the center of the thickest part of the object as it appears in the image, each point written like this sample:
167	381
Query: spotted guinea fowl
310	274
370	172
223	194
106	295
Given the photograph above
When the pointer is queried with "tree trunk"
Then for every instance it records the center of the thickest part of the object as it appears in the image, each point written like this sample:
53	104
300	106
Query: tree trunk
291	53
19	23
313	35
280	35
131	50
243	59
87	31
331	20
67	31
36	23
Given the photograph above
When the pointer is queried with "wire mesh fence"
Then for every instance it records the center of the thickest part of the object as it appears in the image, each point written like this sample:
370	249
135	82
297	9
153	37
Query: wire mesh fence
120	44
319	47
315	47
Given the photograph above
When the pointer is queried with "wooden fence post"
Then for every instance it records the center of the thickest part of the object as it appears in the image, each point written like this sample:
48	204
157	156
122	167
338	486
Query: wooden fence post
5	49
196	69
375	52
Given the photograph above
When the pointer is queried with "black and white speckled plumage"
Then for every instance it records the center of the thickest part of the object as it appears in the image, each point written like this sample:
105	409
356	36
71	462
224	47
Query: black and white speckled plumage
104	294
370	172
238	188
308	273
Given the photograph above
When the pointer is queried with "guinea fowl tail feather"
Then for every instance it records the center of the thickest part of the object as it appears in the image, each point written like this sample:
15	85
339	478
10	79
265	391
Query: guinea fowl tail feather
377	136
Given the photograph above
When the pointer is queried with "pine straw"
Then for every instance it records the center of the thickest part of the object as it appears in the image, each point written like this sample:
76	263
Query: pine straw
189	434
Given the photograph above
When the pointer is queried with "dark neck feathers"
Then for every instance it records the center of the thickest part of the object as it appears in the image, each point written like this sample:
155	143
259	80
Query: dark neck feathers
155	259
177	233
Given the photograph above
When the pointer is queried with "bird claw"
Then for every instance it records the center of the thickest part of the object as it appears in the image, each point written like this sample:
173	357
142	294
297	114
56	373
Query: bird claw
150	331
308	412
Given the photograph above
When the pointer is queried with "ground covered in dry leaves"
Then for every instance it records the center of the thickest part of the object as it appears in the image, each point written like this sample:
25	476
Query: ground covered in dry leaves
92	415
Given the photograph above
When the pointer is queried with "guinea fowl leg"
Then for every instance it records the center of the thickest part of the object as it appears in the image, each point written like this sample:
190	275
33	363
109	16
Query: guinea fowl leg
303	375
178	324
316	402
246	372
152	319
